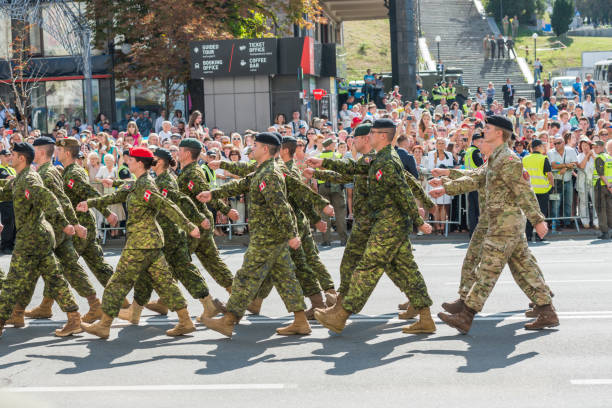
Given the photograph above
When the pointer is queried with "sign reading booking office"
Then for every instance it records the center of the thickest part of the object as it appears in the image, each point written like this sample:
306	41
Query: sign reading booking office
233	57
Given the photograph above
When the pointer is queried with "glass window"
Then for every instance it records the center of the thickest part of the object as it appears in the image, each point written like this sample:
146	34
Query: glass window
35	41
5	36
53	48
64	97
39	108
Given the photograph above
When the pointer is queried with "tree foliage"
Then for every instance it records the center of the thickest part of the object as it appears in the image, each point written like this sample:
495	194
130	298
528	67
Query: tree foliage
526	10
597	11
562	15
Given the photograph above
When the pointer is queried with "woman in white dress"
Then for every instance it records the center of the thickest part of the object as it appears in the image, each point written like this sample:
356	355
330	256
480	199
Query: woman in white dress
584	182
109	171
440	159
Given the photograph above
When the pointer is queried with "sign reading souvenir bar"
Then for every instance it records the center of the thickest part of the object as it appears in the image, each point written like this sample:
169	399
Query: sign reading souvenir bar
233	57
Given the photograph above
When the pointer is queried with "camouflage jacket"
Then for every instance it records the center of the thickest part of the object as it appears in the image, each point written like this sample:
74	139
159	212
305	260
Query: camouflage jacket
191	182
456	174
144	204
271	219
31	199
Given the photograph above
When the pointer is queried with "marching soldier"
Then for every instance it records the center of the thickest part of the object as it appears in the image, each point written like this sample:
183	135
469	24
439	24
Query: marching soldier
7	214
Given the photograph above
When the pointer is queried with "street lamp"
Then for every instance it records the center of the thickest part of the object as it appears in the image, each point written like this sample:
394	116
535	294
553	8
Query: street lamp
535	42
438	39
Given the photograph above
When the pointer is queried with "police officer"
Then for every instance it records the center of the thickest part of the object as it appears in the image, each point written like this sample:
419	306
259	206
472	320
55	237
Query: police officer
541	179
451	94
6	208
473	160
602	181
335	194
436	94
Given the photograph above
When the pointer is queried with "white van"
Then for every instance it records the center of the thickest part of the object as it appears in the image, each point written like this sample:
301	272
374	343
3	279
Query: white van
602	75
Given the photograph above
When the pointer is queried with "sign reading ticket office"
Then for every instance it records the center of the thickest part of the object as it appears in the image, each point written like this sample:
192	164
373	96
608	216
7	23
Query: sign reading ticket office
233	57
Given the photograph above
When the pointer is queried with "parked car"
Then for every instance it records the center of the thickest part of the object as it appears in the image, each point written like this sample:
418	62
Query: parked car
566	82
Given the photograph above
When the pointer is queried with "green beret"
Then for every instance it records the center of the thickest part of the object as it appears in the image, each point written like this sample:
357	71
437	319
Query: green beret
268	138
67	142
191	143
362	130
328	142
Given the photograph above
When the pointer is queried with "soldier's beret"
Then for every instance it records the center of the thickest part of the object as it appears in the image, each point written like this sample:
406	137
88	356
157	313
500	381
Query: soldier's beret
191	143
141	152
362	130
43	141
268	138
383	124
289	139
162	153
126	152
5	152
500	122
537	142
24	148
67	142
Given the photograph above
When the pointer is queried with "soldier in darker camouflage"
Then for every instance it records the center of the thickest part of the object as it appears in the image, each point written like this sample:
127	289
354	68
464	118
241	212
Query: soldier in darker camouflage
273	231
393	211
33	255
143	249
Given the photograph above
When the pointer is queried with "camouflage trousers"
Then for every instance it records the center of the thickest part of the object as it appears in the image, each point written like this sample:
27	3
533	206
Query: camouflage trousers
134	263
92	254
183	270
355	246
70	268
261	261
2	278
314	261
497	251
471	260
208	254
388	249
23	273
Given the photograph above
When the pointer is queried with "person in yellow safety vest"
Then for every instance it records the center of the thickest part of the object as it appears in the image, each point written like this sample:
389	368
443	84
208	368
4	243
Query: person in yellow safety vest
211	176
7	215
422	99
541	179
444	89
473	160
602	181
335	194
436	94
451	93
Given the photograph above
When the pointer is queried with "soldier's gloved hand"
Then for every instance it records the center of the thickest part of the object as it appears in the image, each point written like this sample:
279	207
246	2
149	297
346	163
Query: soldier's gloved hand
233	215
435	182
541	229
69	230
314	162
81	231
425	228
329	210
107	182
294	243
204	196
112	219
437	192
421	212
308	173
214	165
82	206
440	172
321	226
195	233
205	224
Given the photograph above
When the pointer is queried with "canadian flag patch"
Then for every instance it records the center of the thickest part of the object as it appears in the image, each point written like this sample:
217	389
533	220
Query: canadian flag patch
27	194
190	185
510	158
70	183
378	174
165	192
262	185
147	195
284	175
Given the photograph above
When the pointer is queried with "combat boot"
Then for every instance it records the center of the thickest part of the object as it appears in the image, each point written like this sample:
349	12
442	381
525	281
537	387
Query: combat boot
403	306
132	313
461	321
424	325
317	303
125	304
95	310
532	305
2	323
212	307
224	325
255	306
42	311
454	307
72	326
334	319
408	314
229	290
158	307
547	317
298	326
101	328
17	317
184	325
330	297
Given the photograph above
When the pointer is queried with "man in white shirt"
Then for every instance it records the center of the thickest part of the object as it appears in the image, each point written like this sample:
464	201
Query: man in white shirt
346	117
589	109
563	160
159	121
297	122
166	131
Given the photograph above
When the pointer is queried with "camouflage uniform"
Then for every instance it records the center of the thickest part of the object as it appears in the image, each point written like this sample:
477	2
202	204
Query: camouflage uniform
191	182
271	225
505	241
143	249
77	188
33	254
392	210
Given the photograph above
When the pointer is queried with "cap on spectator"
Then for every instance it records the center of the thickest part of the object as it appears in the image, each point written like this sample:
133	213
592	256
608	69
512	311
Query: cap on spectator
531	128
599	143
141	152
5	152
362	130
500	122
67	142
302	126
43	141
175	136
191	143
329	123
355	121
268	138
558	138
327	142
126	152
585	139
288	139
80	155
212	152
383	124
477	136
536	142
162	153
574	129
579	106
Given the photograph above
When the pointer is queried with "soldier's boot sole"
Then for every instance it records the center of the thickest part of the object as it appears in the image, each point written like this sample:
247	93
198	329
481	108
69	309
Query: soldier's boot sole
157	307
180	329
96	329
331	320
294	329
403	306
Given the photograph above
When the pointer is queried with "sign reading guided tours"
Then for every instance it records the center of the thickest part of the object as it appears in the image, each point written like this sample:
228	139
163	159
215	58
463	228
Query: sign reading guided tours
233	57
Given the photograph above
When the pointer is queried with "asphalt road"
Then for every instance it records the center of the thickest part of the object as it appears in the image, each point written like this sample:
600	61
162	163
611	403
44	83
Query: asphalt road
371	364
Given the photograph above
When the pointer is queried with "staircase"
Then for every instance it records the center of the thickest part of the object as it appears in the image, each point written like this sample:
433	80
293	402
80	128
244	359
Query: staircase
462	30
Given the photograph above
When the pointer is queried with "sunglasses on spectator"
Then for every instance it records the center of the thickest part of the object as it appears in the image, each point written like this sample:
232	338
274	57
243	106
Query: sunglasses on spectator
236	138
557	143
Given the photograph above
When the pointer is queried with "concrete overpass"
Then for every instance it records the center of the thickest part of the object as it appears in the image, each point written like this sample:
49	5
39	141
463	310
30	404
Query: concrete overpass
351	10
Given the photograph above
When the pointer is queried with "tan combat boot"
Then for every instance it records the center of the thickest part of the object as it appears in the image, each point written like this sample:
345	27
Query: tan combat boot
42	311
424	325
408	314
95	310
331	296
255	306
100	328
229	290
132	313
461	321
72	326
16	318
547	317
454	307
2	323
158	307
404	306
184	325
125	304
298	326
317	303
334	319
212	307
224	325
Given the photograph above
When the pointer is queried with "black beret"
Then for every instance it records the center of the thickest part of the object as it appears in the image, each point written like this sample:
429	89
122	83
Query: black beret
162	153
191	143
289	139
5	152
43	141
362	130
536	143
500	122
383	124
24	148
126	152
268	138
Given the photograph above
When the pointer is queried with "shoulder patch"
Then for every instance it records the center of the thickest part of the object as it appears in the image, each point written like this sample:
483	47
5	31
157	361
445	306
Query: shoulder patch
190	185
379	174
164	192
27	194
262	185
147	195
70	183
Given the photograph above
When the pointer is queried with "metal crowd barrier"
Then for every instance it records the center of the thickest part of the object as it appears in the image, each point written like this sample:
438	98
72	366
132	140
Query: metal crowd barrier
557	198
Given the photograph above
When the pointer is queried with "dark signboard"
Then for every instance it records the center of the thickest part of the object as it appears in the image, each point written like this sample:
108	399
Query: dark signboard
233	57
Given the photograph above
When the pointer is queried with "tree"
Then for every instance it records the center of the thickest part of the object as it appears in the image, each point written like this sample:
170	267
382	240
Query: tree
562	15
525	10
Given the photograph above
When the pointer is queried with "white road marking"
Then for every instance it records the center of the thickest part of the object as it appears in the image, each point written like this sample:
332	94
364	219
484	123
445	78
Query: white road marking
186	387
593	381
504	282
